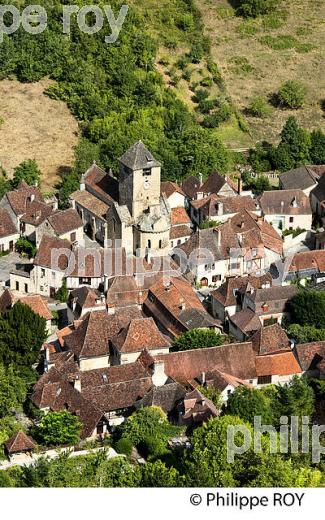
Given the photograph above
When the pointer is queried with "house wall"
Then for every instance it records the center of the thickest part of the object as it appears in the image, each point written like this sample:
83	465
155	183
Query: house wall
47	229
131	357
219	311
176	200
237	333
74	282
5	241
93	363
299	221
20	283
44	280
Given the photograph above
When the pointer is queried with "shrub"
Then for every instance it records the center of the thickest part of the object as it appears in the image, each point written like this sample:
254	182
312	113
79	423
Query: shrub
59	428
259	107
200	95
124	446
196	53
197	338
25	247
62	294
292	94
253	8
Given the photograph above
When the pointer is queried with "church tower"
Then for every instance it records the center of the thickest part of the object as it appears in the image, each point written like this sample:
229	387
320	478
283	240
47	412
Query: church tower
139	183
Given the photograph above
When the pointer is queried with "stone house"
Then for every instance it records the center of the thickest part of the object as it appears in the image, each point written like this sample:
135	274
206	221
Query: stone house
8	232
286	209
174	194
270	305
180	227
304	178
65	224
220	209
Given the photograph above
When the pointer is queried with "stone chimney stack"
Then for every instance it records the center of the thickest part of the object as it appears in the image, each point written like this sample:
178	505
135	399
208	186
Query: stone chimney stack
240	185
82	183
77	384
159	377
219	209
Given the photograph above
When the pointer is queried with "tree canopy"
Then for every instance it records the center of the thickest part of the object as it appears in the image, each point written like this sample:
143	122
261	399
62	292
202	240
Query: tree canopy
197	338
58	428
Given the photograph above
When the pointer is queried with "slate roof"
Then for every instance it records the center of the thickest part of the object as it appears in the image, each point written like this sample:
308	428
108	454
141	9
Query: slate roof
285	292
302	178
191	186
138	157
319	190
214	183
285	202
237	359
7	227
65	221
140	334
19	442
166	397
270	339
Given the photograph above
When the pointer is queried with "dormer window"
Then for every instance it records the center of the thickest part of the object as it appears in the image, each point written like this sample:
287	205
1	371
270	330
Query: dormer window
146	171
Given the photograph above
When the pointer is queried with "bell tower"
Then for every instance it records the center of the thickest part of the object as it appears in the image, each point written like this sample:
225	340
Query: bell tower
139	183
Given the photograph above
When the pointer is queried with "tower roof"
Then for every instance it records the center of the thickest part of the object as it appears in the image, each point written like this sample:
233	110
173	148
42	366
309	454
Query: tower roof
138	157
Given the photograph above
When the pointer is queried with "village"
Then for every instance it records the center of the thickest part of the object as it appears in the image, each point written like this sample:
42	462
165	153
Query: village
113	350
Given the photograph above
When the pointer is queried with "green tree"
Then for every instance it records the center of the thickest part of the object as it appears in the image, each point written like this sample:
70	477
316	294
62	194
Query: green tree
27	171
63	293
26	248
259	107
12	390
58	428
248	403
213	394
22	333
157	474
253	8
305	333
308	308
317	147
197	338
292	94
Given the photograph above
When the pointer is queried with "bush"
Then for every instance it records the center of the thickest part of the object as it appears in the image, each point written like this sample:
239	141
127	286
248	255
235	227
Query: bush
197	338
58	428
253	8
62	294
292	94
259	107
124	446
25	247
200	95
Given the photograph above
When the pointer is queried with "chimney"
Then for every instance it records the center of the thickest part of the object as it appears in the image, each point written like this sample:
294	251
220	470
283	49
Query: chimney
201	179
282	206
82	183
32	197
240	185
159	377
77	384
182	304
240	239
203	378
218	235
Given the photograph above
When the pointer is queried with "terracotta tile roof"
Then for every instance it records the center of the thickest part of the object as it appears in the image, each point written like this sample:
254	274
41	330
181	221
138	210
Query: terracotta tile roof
65	221
226	293
36	212
44	254
35	302
125	291
314	260
62	333
236	359
180	216
180	232
19	442
191	186
113	374
213	184
210	206
91	338
91	203
102	184
285	202
220	380
168	188
246	320
7	227
310	355
118	395
270	339
140	334
281	364
22	196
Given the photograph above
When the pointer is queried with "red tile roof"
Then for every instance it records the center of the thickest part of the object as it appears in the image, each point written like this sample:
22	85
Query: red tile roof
180	216
22	196
19	442
281	364
140	334
270	339
7	227
310	355
168	188
65	221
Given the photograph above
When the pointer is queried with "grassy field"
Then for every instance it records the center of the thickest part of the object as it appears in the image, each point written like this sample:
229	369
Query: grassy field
35	127
257	56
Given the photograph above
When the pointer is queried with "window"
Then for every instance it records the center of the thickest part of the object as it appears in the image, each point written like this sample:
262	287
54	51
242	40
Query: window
42	273
228	391
147	171
85	281
291	219
17	286
254	252
264	380
73	237
179	242
149	244
171	244
160	244
26	288
42	288
249	264
213	266
216	278
53	275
